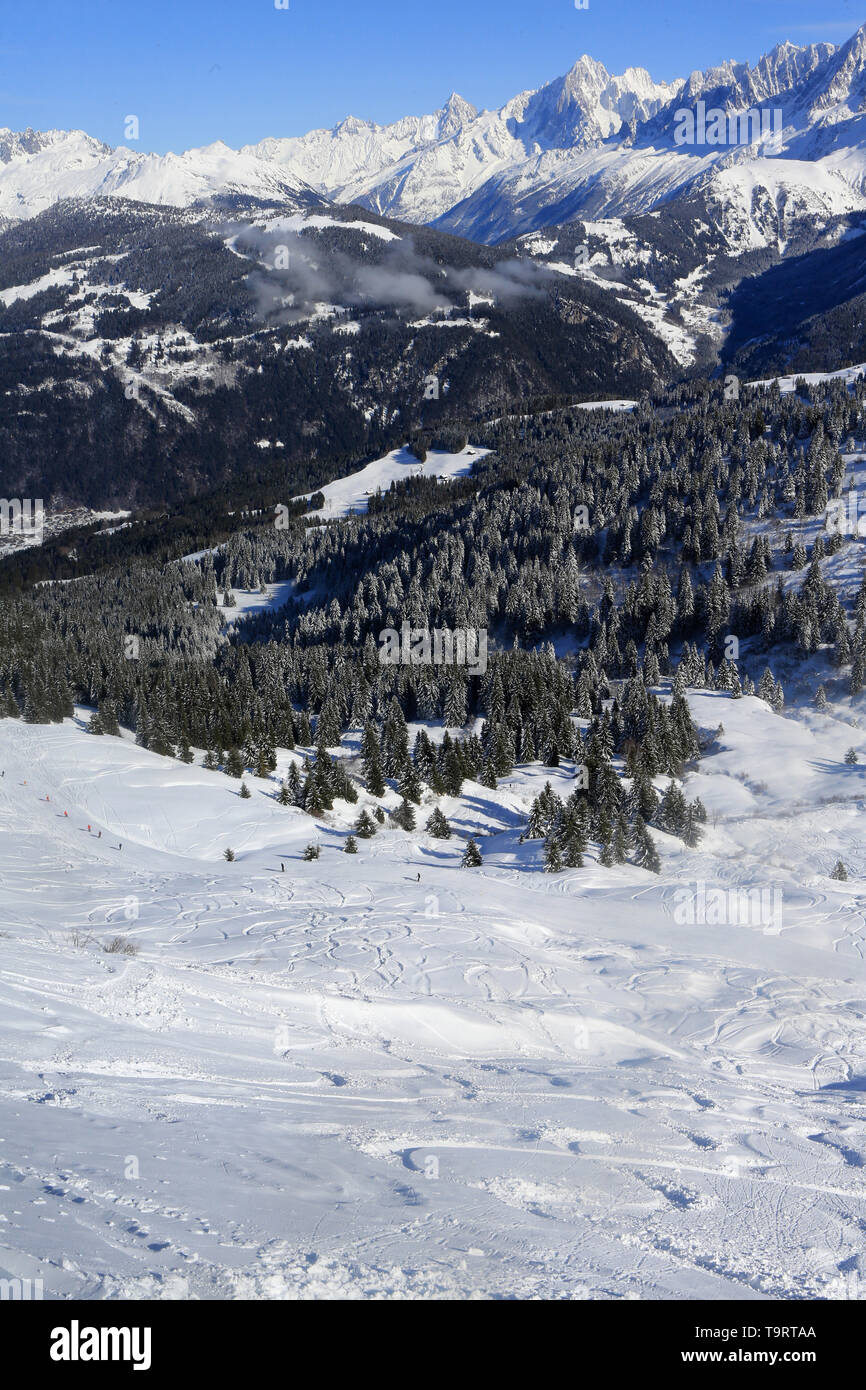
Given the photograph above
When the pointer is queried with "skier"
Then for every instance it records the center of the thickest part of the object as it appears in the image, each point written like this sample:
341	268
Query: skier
419	878
99	836
282	868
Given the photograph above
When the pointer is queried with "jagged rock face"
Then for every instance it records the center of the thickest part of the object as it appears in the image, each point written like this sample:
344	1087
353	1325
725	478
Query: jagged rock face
841	84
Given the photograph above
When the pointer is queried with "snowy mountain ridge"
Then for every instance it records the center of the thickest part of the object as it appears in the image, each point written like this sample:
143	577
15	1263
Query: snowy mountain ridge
588	143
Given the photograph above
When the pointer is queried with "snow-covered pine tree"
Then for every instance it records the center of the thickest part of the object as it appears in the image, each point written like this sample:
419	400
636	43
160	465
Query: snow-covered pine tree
553	862
673	811
471	856
404	816
364	826
646	855
437	825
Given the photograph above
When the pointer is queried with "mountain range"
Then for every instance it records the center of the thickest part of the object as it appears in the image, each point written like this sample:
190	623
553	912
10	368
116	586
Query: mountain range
168	321
588	144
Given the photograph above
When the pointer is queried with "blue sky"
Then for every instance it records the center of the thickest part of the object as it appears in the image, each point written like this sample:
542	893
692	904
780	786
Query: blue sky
195	71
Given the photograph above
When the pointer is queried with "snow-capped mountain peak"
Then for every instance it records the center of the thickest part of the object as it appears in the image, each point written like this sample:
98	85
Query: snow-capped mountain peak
841	87
457	112
587	143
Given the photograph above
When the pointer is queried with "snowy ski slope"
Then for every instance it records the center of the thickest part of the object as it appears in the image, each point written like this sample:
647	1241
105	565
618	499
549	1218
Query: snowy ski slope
336	1081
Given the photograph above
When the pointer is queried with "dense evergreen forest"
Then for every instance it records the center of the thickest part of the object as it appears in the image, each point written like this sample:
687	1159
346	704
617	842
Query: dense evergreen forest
610	557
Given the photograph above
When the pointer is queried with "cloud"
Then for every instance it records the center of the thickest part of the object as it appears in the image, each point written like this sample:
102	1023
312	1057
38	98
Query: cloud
298	271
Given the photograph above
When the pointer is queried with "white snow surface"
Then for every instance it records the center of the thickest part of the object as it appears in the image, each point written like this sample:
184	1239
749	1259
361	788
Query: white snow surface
787	384
351	494
339	1082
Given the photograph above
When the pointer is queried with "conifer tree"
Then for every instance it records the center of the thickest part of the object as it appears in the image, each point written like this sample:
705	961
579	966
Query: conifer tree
553	863
471	856
455	701
311	796
364	827
409	785
342	785
294	785
328	733
488	775
606	854
452	771
620	844
404	816
645	853
503	754
322	775
438	826
372	761
395	742
673	810
234	763
691	832
424	755
643	800
571	830
108	716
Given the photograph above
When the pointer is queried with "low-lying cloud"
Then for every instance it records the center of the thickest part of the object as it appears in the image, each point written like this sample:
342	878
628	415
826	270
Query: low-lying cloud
297	272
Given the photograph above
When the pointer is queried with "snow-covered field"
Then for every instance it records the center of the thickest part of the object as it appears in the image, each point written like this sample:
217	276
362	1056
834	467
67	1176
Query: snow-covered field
336	1081
351	494
788	384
